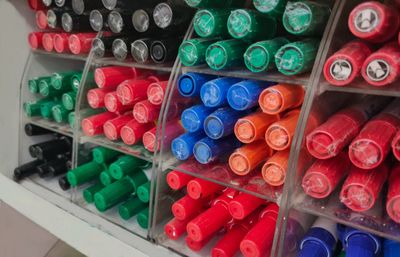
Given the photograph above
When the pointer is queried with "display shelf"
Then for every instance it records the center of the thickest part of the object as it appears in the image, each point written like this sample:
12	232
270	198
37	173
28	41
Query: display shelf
60	55
62	128
361	87
52	185
78	227
165	67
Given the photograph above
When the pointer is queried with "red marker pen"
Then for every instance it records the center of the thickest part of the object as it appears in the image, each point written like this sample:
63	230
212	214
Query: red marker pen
41	19
93	125
95	97
173	129
258	241
113	104
393	195
112	76
131	91
133	131
396	145
48	41
330	138
370	148
112	128
61	42
81	43
145	112
243	205
36	5
345	65
322	178
177	180
362	188
200	188
210	221
382	68
187	208
156	92
35	40
175	228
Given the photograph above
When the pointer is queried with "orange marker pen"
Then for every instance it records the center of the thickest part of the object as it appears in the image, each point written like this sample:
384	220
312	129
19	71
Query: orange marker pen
280	134
274	170
279	98
248	157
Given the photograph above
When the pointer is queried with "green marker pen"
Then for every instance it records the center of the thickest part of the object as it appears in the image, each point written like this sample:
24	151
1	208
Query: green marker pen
46	89
32	108
46	109
125	165
71	119
60	114
251	25
143	218
211	23
88	193
84	173
213	3
224	54
76	81
305	18
297	57
131	207
103	155
62	80
193	51
260	56
143	192
33	84
106	179
69	100
274	8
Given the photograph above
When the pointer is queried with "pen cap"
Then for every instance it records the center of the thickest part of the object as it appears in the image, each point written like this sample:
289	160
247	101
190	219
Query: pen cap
143	192
105	178
95	97
199	188
362	188
48	41
243	205
93	125
391	248
275	168
361	244
104	155
63	183
208	150
112	128
226	53
187	208
84	173
393	195
60	114
131	207
279	135
252	127
69	100
249	157
193	117
33	130
189	84
282	97
211	22
322	178
26	170
222	122
244	95
132	90
145	112
113	194
182	146
177	180
318	242
36	5
156	92
143	218
81	43
192	52
396	145
125	165
113	104
112	76
175	228
345	65
214	92
88	193
35	40
132	132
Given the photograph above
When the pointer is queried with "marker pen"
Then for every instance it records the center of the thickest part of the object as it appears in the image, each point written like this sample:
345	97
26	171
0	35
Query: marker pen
120	47
36	5
132	132
156	92
282	97
244	95
192	52
26	170
320	240
76	80
142	218
393	195
48	41
63	183
143	192
188	208
84	173
103	155
297	57
370	148
73	22
171	15
199	188
280	134
331	137
113	104
275	169
345	65
228	245
41	19
177	180
248	157
131	207
61	42
120	21
323	177
95	97
69	100
145	112
141	20
211	220
112	128
208	150
214	4
182	146
260	56
60	114
359	243
189	84
273	8
222	122
226	53
258	241
164	50
140	50
172	130
396	145
391	248
33	84
125	165
374	21
382	68
62	80
250	25
175	228
119	191
35	40
105	178
131	91
93	125
210	23
66	4
112	76
81	43
305	18
98	20
46	109
243	205
362	188
83	6
214	93
49	150
88	193
54	18
33	130
193	118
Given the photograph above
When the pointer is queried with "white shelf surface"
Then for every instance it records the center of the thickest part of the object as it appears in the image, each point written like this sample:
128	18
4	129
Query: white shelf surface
90	234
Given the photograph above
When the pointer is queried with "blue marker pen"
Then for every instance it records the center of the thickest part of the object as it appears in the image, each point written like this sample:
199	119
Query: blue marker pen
207	150
214	92
222	122
391	248
189	84
358	243
244	95
320	240
182	146
193	117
